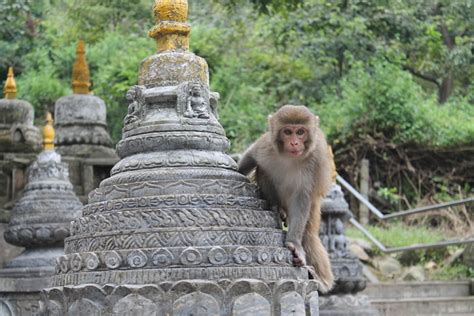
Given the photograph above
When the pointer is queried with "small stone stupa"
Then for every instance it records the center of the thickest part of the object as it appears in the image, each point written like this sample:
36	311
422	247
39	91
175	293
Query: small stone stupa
176	230
343	299
80	118
82	137
20	142
39	222
17	132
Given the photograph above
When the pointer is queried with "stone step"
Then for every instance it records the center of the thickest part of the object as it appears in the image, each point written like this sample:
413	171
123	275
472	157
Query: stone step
427	306
418	290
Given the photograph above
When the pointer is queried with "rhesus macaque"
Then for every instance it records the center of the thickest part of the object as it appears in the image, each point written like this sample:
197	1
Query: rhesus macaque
293	171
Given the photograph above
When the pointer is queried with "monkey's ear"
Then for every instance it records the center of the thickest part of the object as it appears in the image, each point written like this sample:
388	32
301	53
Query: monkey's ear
269	122
316	120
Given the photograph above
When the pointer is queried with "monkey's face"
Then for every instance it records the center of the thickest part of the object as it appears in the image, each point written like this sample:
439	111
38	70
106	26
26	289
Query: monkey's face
293	138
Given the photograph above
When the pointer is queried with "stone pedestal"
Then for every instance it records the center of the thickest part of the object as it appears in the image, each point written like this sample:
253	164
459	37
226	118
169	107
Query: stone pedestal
176	230
39	222
343	299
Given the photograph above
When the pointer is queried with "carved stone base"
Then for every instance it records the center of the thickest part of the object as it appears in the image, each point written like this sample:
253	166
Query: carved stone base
19	304
187	297
19	295
346	305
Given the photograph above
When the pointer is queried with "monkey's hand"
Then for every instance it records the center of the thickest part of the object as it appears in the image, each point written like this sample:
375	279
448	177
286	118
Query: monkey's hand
299	256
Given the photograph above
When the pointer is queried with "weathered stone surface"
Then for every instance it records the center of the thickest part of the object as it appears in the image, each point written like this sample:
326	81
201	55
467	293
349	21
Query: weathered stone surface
81	127
42	216
17	132
359	252
39	222
414	273
346	304
388	266
189	297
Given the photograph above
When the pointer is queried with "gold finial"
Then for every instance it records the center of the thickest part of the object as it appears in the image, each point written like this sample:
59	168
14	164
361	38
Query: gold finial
171	31
10	85
48	133
80	71
333	164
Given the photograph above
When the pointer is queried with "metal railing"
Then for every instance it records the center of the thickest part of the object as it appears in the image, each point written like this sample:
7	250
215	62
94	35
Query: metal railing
382	216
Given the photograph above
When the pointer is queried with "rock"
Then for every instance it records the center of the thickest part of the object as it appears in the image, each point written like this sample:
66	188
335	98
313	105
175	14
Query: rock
369	275
388	266
364	244
431	265
359	252
414	273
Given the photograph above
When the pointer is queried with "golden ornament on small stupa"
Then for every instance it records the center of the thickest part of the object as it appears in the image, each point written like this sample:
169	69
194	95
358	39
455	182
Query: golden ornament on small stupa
48	133
80	71
171	31
10	86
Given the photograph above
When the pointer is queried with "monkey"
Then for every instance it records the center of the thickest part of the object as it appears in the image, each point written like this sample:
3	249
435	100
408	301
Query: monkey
292	168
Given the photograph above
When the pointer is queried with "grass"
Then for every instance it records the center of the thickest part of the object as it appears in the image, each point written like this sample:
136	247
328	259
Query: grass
398	234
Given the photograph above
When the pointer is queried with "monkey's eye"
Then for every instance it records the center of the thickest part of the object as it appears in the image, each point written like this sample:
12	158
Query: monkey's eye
287	132
300	132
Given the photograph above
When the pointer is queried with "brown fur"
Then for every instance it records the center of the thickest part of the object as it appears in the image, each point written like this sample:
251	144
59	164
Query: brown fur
295	185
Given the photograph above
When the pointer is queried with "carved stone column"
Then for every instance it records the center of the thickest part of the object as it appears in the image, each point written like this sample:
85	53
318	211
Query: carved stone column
343	299
176	230
39	222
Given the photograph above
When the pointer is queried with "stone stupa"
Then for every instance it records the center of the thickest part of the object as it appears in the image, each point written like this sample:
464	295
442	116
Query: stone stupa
20	142
82	137
39	222
343	300
17	132
176	230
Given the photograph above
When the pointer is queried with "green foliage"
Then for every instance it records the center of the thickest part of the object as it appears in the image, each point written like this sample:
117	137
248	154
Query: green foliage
454	272
382	99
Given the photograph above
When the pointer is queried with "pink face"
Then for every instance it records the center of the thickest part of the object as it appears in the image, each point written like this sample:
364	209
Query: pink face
293	138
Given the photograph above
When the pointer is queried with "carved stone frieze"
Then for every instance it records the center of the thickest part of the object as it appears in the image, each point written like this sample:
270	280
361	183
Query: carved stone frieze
197	297
175	158
171	141
165	188
169	201
175	257
175	237
174	217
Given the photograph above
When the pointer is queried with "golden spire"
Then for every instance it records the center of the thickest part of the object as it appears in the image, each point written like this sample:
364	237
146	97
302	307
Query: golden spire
333	164
80	71
10	86
171	31
48	133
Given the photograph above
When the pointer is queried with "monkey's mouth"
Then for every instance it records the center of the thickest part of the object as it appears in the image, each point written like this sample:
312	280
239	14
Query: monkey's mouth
295	153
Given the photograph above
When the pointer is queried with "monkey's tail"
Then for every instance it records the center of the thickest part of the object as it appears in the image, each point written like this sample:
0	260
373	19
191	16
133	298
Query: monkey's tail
317	256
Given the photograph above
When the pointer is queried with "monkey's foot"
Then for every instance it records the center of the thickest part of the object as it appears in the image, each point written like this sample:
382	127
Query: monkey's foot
299	259
283	215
